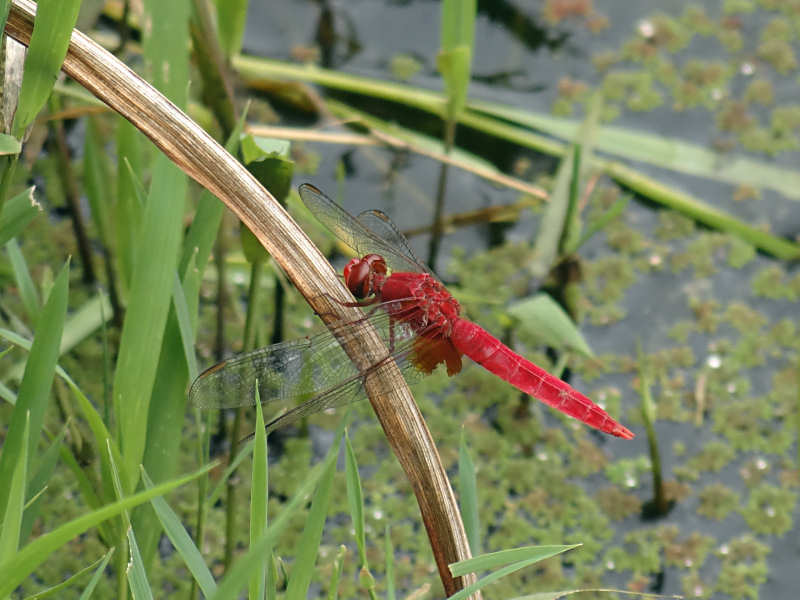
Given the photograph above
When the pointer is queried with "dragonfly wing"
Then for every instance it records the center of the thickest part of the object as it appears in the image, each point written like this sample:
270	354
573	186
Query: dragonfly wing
358	233
307	375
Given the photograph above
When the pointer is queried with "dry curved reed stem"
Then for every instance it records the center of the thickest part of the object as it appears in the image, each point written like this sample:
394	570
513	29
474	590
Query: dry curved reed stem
203	159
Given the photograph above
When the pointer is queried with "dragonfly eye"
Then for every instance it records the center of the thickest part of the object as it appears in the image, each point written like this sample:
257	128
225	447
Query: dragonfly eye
357	277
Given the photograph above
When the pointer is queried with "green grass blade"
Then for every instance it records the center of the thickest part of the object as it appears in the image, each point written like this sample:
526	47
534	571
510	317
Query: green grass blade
355	499
534	554
59	589
16	213
145	320
182	542
258	502
216	493
661	151
468	495
389	562
42	472
166	52
231	19
127	212
96	183
22	276
98	572
34	391
545	249
307	547
253	559
338	567
25	562
137	576
541	316
494	560
12	517
184	321
46	52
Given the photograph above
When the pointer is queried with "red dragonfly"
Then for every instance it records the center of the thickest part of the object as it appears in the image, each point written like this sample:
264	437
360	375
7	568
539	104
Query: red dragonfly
414	314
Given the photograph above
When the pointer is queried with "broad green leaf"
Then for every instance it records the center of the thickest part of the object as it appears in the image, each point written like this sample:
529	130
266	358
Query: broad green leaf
48	47
542	317
34	390
30	557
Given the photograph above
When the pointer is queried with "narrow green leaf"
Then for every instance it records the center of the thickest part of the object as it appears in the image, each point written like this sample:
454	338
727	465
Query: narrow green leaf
468	495
61	588
552	224
541	316
8	143
184	321
42	472
34	391
98	572
258	501
48	47
16	213
30	557
307	547
492	560
96	183
231	19
127	209
535	555
355	499
181	540
389	553
22	276
253	559
12	517
145	319
137	576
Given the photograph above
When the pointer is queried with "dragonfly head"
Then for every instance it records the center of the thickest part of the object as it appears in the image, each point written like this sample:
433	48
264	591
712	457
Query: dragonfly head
365	276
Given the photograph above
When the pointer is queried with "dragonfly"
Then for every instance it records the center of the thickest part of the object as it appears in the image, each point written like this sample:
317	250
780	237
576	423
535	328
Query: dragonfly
415	316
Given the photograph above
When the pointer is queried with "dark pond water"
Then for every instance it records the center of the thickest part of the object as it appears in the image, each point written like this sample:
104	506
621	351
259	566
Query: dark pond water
718	321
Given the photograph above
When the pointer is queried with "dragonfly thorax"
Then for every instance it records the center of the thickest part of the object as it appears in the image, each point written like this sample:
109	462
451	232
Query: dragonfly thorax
421	301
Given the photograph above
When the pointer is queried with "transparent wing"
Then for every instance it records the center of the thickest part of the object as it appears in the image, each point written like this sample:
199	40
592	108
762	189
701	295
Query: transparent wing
305	376
371	233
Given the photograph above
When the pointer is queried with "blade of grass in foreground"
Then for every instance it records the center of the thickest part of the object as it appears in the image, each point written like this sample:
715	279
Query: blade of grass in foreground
12	519
24	562
308	546
532	554
252	561
259	501
34	391
468	495
181	540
